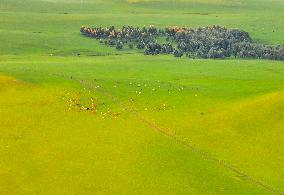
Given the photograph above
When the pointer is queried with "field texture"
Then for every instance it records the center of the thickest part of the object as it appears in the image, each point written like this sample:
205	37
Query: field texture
78	117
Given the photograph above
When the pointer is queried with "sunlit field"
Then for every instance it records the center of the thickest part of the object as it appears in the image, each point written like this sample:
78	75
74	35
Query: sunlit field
78	117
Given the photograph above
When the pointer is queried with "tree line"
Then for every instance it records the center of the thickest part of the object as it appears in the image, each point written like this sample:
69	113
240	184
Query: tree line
204	42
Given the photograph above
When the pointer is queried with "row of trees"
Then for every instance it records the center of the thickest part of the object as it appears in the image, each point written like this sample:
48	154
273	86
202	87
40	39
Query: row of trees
206	42
125	34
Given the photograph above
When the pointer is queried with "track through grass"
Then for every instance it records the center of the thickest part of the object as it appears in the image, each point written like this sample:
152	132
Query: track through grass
176	126
182	141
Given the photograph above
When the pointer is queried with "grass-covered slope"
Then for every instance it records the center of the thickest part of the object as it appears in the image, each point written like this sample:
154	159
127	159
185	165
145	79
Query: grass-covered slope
46	149
161	125
228	109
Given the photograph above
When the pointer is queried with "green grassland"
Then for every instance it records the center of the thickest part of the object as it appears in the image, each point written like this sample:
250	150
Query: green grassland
163	125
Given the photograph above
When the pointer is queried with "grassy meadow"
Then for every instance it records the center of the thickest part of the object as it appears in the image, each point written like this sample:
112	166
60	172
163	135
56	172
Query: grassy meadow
162	125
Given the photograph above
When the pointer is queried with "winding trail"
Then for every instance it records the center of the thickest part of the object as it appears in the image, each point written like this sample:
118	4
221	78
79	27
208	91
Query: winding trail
167	133
182	141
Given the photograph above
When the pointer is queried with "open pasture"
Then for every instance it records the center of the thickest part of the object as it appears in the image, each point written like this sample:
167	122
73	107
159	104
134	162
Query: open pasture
109	121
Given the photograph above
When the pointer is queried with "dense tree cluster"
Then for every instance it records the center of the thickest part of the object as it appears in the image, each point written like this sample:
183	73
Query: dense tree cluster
125	34
206	42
